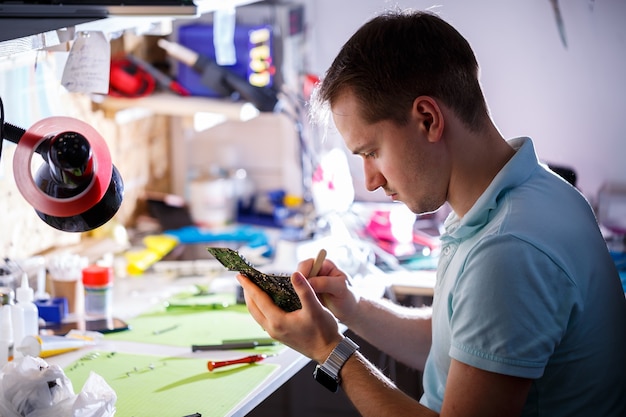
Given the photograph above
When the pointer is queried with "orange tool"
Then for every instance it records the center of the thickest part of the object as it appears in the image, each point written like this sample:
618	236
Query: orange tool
248	359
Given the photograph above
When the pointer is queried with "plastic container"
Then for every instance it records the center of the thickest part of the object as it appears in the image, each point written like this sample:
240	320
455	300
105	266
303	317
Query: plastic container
6	334
7	295
25	312
44	346
98	287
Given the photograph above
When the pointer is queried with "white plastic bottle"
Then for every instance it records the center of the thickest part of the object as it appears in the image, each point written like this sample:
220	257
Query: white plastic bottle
6	335
17	321
24	295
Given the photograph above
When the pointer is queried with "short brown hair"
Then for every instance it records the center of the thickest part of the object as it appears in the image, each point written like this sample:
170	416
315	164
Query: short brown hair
399	56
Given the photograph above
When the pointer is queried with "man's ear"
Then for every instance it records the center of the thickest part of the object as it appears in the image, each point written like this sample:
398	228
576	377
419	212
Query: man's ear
429	116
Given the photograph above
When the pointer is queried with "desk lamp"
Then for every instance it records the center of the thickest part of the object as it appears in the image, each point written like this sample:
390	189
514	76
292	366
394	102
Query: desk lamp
77	188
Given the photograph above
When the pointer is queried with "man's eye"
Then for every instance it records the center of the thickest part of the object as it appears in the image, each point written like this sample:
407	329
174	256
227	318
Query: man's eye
369	155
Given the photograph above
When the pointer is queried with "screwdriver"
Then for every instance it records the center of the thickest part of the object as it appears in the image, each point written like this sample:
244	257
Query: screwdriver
211	365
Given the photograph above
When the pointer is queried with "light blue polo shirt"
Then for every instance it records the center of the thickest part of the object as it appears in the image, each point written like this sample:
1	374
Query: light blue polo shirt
526	287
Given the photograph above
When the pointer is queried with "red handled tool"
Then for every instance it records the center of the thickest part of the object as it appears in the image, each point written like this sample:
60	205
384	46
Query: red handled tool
248	359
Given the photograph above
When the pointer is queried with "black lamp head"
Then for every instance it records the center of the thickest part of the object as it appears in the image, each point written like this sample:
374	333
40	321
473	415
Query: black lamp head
68	172
75	189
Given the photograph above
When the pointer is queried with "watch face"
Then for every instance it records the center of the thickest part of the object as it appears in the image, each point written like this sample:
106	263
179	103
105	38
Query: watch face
325	379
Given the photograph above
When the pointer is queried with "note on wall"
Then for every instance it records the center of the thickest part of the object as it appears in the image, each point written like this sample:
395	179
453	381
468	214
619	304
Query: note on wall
88	64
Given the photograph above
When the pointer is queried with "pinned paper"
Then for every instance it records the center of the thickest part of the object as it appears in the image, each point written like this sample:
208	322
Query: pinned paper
88	64
224	36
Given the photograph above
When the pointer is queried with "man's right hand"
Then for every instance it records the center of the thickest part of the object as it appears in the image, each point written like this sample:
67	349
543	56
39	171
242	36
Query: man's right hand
333	289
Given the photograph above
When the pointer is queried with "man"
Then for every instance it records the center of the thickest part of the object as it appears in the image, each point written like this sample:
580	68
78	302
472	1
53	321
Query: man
528	317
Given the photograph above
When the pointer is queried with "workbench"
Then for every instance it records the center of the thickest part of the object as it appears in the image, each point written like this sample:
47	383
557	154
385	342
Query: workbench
156	369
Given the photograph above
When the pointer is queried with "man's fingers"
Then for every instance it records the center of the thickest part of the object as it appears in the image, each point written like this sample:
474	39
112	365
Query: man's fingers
248	290
304	290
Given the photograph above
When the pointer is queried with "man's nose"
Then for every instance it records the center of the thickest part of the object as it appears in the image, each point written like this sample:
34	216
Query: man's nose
373	178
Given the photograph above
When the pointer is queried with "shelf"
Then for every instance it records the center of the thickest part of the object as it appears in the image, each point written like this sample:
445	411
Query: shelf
173	105
19	35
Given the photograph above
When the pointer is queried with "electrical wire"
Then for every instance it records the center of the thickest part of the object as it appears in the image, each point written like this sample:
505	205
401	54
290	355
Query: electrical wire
297	115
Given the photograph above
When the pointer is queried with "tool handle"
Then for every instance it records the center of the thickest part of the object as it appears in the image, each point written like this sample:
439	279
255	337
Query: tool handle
317	264
211	365
178	51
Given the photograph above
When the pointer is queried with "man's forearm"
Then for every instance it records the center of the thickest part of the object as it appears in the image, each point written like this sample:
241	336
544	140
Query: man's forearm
373	394
384	324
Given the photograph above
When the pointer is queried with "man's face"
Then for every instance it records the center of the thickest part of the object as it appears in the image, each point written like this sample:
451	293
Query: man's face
398	159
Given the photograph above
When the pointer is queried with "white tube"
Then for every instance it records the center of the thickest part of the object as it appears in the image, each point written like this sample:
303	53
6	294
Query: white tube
44	346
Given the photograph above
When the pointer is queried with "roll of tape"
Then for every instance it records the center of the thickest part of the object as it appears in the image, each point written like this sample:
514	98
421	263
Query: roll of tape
61	207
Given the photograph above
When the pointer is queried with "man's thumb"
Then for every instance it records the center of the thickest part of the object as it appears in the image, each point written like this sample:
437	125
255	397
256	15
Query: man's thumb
303	288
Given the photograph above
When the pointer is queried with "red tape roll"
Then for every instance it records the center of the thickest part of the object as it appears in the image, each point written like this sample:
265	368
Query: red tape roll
61	207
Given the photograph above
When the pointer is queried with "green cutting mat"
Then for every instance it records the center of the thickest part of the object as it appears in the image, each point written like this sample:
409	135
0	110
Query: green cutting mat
197	320
151	386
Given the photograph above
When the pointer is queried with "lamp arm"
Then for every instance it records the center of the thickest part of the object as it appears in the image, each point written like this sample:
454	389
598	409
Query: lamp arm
14	133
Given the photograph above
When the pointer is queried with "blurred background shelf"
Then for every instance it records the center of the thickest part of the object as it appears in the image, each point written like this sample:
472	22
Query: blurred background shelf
19	35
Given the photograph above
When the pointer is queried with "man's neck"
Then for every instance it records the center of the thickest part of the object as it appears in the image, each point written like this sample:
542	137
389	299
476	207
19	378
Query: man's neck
477	160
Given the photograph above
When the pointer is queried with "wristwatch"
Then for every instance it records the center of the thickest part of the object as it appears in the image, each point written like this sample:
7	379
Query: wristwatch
327	373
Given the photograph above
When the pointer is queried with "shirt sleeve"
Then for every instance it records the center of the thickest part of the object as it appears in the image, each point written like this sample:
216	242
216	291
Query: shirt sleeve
509	309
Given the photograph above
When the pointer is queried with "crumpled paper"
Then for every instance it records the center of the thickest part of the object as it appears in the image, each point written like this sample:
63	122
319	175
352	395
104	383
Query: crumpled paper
30	387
